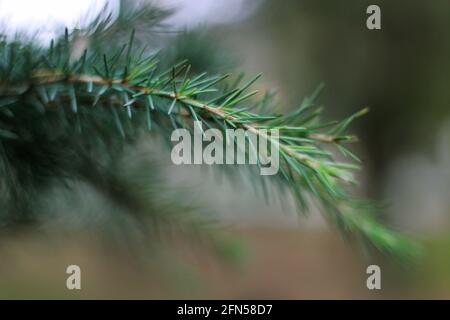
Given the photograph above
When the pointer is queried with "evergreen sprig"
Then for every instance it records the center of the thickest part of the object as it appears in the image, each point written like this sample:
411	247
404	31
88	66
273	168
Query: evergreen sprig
106	96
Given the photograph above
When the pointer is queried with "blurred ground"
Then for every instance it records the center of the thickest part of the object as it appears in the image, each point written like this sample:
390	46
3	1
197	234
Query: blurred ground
278	263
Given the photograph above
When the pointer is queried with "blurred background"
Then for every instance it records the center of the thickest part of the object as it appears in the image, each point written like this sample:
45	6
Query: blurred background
402	72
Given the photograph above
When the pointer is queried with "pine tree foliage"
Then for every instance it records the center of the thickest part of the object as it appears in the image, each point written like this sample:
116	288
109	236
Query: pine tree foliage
64	116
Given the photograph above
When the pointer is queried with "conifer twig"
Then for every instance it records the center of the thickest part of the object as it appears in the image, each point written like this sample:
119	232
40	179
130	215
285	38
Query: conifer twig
48	78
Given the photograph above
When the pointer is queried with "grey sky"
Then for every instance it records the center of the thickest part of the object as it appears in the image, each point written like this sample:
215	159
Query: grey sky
46	16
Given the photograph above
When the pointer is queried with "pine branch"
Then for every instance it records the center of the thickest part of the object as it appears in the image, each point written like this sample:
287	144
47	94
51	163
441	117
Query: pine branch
49	80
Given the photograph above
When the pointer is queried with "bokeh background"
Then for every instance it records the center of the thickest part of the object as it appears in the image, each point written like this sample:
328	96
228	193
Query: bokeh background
401	72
